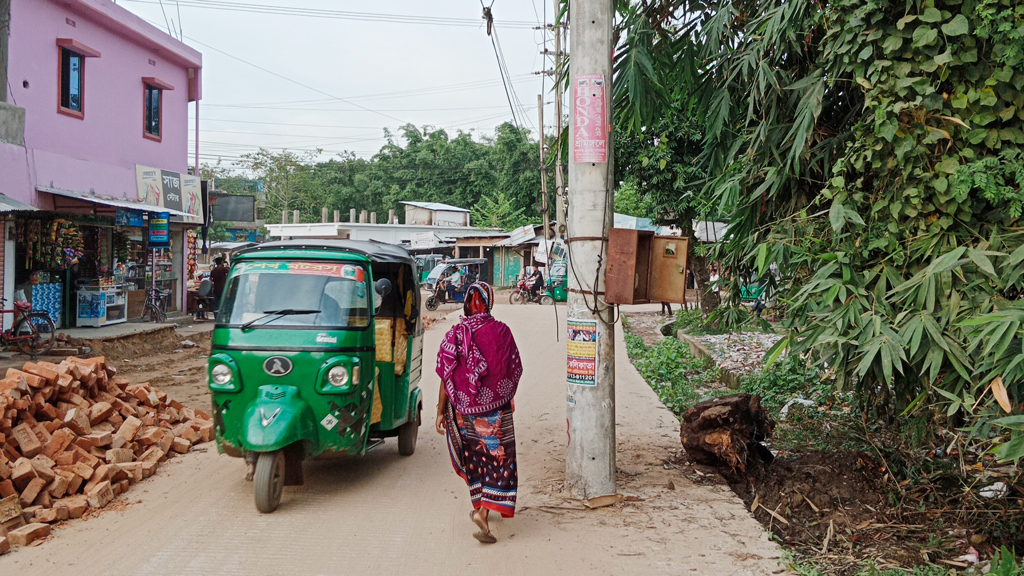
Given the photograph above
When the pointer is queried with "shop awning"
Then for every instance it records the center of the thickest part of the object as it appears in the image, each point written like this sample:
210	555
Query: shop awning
113	202
8	204
230	246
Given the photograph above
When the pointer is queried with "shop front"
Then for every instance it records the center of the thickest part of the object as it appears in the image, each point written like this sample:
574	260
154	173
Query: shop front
92	261
93	270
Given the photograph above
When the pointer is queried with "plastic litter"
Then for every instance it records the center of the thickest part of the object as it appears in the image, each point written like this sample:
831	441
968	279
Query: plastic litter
739	351
996	490
801	401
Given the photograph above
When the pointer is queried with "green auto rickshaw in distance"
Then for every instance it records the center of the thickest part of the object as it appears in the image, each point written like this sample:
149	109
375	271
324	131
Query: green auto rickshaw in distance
317	352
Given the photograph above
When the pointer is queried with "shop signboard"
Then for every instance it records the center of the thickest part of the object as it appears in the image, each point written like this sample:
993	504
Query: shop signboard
126	217
590	132
159	231
170	190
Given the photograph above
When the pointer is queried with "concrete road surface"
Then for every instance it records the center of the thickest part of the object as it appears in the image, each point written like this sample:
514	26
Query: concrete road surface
384	514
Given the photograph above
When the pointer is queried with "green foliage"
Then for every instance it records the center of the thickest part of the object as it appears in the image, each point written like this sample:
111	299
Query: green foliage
498	211
1004	563
670	369
499	173
872	149
629	201
219	233
789	378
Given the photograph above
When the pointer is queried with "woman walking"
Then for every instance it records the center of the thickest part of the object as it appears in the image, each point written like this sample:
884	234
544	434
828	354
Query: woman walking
480	368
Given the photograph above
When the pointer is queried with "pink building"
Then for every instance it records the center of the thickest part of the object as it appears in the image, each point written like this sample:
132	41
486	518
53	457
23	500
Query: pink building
93	138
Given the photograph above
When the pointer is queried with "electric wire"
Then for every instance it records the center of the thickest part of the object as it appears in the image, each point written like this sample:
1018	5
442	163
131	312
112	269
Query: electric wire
293	81
321	13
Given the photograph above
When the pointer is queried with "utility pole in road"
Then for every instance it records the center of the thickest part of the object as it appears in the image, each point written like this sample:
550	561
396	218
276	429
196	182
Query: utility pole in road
590	398
559	185
545	199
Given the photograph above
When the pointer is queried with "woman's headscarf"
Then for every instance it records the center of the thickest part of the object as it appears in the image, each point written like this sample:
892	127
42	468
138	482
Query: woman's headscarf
459	351
479	299
477	308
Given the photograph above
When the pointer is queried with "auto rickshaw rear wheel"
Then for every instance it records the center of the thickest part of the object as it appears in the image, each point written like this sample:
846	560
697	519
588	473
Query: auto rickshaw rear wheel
547	300
268	481
408	433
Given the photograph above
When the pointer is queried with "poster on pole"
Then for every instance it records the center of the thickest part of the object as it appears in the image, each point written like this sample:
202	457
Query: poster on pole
589	129
581	368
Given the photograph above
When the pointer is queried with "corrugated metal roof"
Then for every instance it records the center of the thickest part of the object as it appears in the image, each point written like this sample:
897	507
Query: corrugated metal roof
708	231
115	202
436	206
8	204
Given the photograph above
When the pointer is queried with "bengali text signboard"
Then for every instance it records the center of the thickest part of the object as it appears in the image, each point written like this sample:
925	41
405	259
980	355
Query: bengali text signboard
170	190
589	129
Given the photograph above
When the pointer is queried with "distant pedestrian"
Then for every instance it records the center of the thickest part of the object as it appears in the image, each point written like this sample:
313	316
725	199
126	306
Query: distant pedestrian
219	277
666	307
479	366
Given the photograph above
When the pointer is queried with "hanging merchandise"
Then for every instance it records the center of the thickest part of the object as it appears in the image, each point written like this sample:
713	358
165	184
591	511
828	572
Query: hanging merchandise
192	246
53	245
122	246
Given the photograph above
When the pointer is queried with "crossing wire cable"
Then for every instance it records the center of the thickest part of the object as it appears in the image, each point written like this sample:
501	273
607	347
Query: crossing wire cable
504	66
332	14
296	82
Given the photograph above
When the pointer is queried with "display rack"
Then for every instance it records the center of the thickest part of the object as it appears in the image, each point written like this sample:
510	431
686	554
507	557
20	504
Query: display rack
102	305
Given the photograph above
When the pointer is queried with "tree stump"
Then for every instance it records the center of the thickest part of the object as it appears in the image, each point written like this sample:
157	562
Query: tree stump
727	433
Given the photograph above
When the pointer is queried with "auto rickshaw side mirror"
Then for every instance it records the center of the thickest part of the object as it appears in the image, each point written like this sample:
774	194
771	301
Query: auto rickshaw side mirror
382	287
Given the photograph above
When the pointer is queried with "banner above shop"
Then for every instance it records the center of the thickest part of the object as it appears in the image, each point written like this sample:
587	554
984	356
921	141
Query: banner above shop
170	190
126	217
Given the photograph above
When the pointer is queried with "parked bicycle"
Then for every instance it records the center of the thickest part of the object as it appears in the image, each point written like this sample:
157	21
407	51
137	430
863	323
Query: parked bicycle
155	309
33	332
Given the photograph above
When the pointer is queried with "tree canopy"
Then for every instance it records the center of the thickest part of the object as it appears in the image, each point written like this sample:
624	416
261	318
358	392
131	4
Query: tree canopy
872	150
496	176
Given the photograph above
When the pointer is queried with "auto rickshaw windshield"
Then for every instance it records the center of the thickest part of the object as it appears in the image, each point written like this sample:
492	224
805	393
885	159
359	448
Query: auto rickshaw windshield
336	294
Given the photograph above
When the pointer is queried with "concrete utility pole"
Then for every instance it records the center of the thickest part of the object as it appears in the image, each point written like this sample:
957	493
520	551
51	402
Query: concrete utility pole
590	458
559	185
545	200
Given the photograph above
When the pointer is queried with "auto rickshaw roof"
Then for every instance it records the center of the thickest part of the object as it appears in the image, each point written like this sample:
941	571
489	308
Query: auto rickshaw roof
464	261
375	251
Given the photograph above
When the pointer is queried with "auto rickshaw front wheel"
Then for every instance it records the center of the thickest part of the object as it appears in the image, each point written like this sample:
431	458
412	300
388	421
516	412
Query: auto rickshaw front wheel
432	303
268	481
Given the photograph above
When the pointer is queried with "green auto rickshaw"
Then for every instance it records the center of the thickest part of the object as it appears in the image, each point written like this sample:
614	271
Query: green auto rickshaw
317	352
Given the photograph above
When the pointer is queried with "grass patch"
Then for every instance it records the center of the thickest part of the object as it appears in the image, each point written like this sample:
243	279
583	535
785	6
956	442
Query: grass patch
673	373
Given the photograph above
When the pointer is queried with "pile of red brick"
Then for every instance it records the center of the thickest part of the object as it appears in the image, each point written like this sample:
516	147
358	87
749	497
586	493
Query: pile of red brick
74	435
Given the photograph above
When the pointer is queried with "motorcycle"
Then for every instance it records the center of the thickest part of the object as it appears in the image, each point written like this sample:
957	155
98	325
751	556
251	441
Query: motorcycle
521	295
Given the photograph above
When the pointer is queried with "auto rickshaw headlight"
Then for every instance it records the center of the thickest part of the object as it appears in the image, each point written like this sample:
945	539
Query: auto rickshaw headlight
338	376
221	374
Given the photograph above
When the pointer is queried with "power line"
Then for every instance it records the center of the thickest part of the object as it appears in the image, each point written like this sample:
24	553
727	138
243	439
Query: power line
283	77
333	14
399	94
504	66
342	110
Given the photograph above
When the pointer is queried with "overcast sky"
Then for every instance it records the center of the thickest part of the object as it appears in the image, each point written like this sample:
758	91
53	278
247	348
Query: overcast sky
438	70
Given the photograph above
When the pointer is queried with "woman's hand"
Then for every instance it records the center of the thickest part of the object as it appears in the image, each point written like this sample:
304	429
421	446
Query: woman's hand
439	425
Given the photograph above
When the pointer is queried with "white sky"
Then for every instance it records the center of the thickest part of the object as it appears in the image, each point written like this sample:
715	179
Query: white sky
427	74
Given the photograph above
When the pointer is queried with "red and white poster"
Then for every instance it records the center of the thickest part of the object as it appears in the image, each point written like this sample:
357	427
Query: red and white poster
589	129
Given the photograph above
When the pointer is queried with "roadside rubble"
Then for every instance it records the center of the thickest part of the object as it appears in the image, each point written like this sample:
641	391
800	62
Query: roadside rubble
738	351
74	435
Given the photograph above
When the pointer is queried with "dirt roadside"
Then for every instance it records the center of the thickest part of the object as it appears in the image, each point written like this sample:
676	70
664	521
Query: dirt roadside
383	513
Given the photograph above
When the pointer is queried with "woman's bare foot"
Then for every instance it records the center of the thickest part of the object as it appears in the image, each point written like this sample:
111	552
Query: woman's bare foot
479	517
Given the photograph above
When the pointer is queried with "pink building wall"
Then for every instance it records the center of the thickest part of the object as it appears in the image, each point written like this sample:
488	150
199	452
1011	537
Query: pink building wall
98	153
